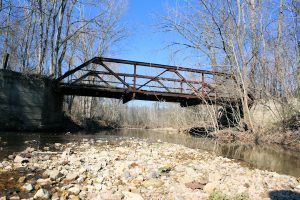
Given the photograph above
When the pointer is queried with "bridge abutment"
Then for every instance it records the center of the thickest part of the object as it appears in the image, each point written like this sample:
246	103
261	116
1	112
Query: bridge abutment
28	102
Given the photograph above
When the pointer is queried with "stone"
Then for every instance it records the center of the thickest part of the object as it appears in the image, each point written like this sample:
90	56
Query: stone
214	177
29	150
153	175
194	185
75	198
54	174
152	182
42	194
210	187
132	196
16	197
28	187
55	196
178	197
74	190
20	159
57	145
46	148
71	177
22	179
43	182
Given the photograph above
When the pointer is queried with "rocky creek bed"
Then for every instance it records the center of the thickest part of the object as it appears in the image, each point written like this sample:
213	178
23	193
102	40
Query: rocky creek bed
135	170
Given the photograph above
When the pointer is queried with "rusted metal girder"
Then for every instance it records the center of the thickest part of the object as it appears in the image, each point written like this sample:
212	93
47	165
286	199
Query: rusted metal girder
192	92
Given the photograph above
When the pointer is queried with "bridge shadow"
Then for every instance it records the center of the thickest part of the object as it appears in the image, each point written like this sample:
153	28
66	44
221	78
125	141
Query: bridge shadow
228	117
284	195
201	131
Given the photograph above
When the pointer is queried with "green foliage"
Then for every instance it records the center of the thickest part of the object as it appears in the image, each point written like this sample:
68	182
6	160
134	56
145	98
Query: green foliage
219	196
241	197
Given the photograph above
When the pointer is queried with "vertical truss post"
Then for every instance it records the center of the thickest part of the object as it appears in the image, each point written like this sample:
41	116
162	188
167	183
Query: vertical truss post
202	84
124	78
134	78
181	89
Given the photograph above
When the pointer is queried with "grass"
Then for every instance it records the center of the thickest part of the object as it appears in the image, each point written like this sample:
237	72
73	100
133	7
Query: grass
219	196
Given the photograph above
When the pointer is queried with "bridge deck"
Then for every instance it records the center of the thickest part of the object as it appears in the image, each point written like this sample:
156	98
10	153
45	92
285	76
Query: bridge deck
187	86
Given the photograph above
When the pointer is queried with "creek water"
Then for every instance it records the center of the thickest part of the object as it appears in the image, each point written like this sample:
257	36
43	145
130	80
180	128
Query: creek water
272	158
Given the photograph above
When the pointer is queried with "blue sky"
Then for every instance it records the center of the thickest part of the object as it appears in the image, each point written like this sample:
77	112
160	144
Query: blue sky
145	41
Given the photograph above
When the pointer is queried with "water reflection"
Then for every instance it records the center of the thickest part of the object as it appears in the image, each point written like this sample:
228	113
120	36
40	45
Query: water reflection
267	157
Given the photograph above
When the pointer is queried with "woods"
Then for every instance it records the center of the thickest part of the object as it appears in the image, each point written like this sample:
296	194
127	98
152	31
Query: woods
49	37
257	41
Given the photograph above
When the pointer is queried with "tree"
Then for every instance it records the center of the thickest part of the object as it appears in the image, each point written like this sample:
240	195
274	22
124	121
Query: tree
257	49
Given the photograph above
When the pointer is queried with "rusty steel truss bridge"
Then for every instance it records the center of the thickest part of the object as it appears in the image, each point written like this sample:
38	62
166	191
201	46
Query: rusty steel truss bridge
128	80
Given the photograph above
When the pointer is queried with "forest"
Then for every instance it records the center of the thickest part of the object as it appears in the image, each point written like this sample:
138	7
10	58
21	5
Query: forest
256	40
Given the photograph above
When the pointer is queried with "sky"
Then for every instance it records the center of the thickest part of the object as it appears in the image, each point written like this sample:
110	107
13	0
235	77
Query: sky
146	42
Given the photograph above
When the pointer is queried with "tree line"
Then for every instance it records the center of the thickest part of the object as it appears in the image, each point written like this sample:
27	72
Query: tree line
256	40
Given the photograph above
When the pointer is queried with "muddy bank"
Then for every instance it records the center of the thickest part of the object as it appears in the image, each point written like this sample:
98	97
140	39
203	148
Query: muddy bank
289	140
135	169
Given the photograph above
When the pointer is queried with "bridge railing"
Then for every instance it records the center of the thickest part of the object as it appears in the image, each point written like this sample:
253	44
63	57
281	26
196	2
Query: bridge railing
147	77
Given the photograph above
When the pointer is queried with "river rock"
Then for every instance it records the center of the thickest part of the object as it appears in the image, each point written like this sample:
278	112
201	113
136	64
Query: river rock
57	145
75	198
43	182
28	187
20	159
15	197
22	179
29	150
46	148
54	174
71	177
74	190
210	187
152	182
132	196
42	194
194	185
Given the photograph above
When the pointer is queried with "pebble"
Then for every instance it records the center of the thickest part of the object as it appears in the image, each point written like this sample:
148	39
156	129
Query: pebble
54	174
28	187
42	194
22	179
71	177
74	190
136	170
132	196
20	159
152	183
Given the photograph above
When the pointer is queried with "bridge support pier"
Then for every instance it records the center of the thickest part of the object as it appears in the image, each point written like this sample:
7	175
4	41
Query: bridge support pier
230	116
29	103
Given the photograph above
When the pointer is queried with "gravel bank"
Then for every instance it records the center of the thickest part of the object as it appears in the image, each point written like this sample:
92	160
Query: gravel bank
135	170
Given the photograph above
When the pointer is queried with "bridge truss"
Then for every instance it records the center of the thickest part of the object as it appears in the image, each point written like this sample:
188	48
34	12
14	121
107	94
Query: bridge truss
128	80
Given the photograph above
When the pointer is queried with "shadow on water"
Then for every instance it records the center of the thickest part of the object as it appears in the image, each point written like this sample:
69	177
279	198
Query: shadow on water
263	157
284	195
